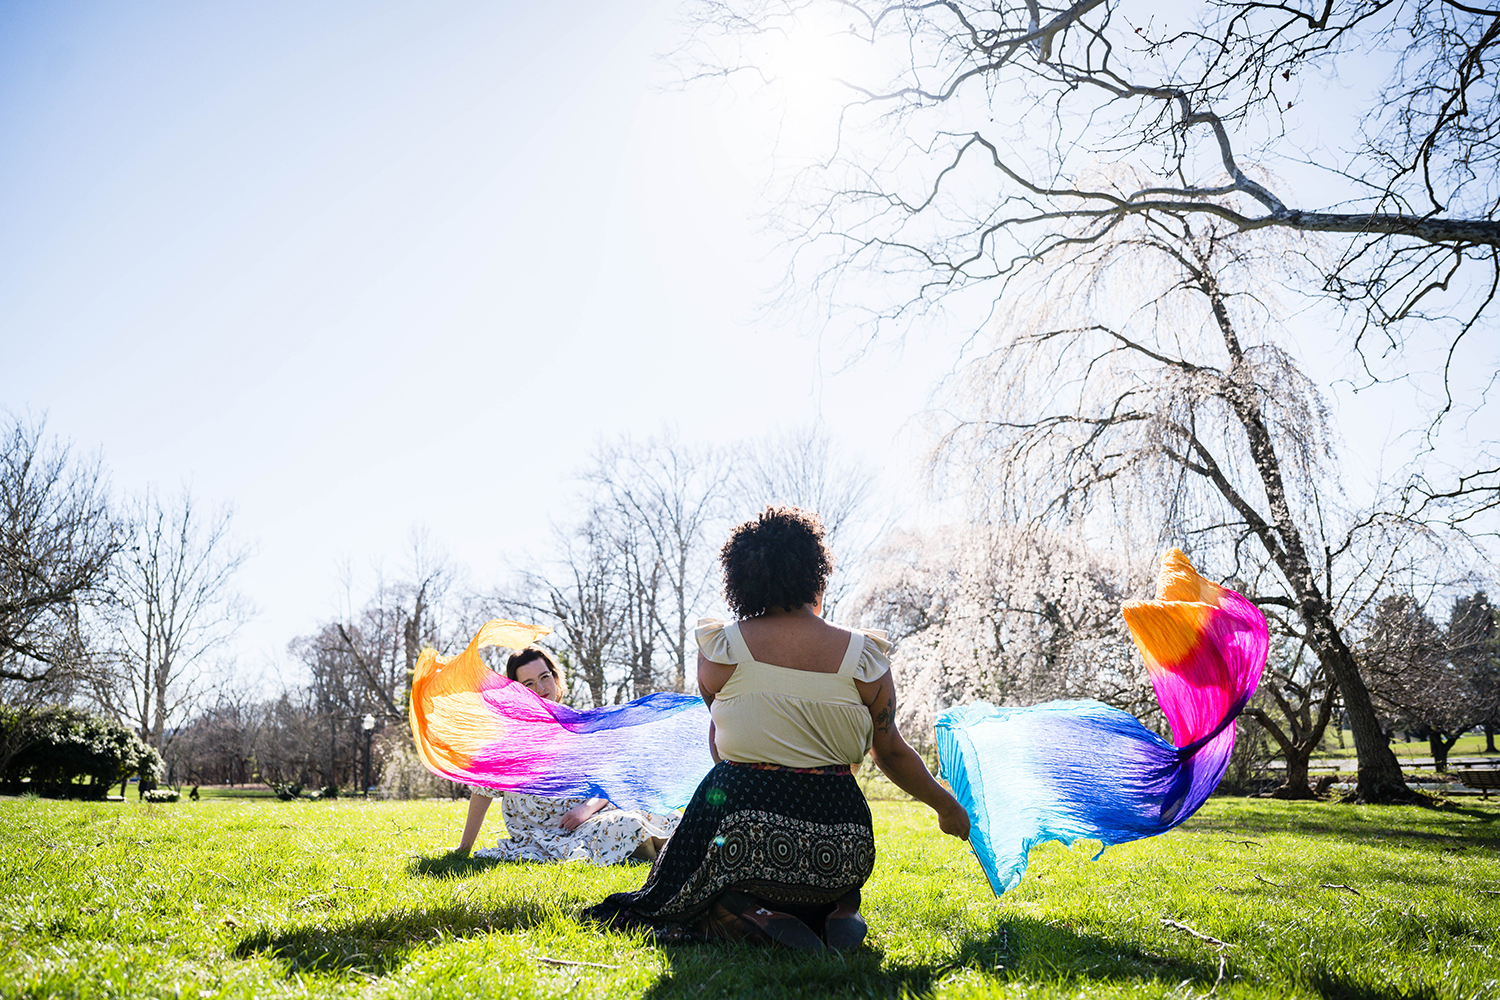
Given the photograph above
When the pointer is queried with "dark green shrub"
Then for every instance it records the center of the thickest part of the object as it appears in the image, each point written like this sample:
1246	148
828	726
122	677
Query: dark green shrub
47	750
330	792
286	791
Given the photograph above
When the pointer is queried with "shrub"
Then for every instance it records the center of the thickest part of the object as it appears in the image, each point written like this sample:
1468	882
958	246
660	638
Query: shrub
159	795
286	791
48	749
330	792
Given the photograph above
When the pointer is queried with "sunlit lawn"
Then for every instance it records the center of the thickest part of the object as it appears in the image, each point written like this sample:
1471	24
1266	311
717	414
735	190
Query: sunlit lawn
1471	745
251	897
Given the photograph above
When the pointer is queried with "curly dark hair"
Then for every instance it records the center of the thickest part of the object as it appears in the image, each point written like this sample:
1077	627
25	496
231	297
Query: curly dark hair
528	655
776	559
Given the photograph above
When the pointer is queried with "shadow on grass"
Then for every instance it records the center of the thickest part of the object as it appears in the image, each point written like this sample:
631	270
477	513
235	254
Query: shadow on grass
1023	950
1475	813
451	865
381	943
1331	986
1019	952
1456	827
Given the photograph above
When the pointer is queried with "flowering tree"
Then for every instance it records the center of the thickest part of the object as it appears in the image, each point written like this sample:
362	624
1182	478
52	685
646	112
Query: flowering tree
1011	616
1139	385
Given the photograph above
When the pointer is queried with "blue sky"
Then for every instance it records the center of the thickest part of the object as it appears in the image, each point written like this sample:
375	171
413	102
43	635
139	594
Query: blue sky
354	267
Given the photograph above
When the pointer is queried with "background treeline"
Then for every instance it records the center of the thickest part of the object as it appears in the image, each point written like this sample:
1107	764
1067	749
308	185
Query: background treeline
124	607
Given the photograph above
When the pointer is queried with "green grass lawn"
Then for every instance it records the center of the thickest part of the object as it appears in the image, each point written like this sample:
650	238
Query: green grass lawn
1470	745
211	792
231	898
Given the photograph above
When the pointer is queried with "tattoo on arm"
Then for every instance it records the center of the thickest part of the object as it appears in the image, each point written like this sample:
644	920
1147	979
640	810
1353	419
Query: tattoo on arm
885	718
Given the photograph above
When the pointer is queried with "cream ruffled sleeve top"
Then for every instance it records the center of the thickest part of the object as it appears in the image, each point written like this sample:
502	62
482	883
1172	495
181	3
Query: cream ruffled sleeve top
770	714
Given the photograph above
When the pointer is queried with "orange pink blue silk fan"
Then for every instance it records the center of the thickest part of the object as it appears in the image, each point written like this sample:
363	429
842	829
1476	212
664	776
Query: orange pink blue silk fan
475	726
1069	770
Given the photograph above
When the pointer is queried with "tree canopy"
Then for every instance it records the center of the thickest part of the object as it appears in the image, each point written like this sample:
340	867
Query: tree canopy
979	141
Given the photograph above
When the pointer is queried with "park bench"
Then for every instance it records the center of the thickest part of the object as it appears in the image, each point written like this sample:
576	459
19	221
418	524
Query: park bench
1483	779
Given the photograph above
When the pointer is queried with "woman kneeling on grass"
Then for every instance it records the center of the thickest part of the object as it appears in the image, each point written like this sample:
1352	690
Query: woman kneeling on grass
776	842
573	829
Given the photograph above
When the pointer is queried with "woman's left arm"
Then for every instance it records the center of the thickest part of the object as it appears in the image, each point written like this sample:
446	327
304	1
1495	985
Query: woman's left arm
899	762
573	818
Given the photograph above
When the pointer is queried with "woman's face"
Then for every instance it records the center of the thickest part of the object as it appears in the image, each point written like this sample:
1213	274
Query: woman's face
537	676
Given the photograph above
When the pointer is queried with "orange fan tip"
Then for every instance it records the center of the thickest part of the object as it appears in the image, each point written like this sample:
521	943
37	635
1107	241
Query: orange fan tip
1179	581
508	634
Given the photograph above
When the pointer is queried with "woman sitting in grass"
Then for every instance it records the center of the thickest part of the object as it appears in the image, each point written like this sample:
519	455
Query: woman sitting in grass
571	829
777	842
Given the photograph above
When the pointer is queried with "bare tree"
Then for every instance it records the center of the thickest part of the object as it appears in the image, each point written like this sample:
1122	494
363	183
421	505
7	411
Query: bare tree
293	736
1294	704
967	153
1416	681
1181	423
582	596
378	642
219	744
175	606
662	498
803	467
360	663
58	539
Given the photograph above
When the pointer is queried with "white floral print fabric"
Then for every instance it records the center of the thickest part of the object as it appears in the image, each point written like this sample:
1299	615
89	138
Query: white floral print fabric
608	837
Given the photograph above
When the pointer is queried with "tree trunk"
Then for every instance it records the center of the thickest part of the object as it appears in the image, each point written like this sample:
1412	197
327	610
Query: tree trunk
1489	737
1380	778
1442	746
159	724
1439	749
1296	785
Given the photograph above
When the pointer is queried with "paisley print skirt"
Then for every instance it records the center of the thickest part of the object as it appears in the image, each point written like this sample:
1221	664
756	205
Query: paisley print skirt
797	840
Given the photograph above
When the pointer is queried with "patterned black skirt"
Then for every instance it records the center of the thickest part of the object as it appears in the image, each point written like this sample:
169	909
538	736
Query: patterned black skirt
796	839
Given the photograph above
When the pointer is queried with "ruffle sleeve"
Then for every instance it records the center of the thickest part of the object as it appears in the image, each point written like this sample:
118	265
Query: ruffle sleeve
713	643
875	658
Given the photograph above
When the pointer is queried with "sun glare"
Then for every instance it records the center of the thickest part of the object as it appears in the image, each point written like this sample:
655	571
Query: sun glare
805	68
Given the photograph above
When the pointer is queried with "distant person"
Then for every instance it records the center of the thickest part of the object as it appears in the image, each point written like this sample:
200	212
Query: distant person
777	842
570	829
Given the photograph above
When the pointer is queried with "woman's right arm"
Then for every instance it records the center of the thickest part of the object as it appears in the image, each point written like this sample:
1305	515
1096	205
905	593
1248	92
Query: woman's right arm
899	762
711	679
479	804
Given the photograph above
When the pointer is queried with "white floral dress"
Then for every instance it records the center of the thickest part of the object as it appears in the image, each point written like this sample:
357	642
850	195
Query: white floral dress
535	826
